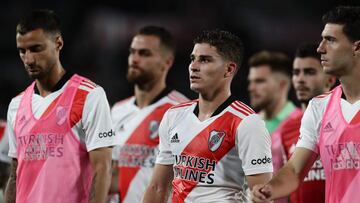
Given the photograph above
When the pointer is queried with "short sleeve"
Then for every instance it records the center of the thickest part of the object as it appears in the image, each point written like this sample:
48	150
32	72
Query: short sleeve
96	120
310	127
10	125
165	154
254	145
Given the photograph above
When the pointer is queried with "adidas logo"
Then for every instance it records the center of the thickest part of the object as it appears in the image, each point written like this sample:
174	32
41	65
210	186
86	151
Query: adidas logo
175	139
328	127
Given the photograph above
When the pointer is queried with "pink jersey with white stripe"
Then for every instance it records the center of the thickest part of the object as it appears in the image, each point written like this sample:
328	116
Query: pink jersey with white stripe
53	166
211	158
339	147
138	141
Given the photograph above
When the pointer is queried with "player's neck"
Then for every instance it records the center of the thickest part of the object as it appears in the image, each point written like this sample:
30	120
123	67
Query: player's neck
351	85
46	84
144	96
274	108
304	106
209	103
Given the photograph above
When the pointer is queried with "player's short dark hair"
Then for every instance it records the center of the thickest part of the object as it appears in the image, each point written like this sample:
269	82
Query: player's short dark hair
227	44
166	38
277	61
43	19
347	16
307	50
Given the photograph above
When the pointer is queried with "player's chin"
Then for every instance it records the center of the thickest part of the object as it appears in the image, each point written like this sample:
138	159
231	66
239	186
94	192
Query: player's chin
34	76
195	87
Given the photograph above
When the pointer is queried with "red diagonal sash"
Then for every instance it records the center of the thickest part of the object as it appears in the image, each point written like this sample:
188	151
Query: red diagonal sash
199	147
140	136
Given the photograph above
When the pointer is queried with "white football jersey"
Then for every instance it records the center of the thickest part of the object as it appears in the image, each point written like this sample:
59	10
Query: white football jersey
311	121
212	157
138	140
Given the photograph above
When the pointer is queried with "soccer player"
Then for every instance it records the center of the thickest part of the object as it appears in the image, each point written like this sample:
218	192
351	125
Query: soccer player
59	128
269	84
136	119
309	80
216	147
330	125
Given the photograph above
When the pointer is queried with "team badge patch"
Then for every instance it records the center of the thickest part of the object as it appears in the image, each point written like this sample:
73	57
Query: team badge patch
61	114
215	139
153	128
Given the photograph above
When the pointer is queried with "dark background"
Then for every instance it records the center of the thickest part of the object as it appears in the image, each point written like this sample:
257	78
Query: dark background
97	35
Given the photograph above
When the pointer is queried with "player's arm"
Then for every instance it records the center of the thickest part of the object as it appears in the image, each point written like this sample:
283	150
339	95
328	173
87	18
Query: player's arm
256	179
10	190
114	187
254	143
100	159
160	184
96	122
288	178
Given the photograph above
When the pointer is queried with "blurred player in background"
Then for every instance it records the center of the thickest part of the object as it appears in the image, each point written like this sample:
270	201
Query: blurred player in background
136	119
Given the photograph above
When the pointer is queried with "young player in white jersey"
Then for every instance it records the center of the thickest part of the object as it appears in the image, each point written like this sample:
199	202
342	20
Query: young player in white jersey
59	128
330	125
136	119
212	149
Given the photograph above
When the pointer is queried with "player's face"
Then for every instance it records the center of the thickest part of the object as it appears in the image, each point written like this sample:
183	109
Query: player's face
39	51
263	87
146	60
308	78
336	50
207	68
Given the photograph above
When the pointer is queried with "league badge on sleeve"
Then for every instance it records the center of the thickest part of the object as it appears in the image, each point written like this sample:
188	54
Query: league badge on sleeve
215	139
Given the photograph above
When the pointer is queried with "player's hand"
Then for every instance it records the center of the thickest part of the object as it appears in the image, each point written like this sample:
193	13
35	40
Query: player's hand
261	193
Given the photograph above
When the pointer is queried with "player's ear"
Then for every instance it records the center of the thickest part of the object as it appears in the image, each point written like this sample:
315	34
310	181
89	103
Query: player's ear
59	42
357	48
230	69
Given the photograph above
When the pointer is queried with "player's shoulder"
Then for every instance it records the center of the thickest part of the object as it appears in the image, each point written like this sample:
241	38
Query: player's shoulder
240	109
15	101
319	103
123	103
88	85
183	106
176	97
323	98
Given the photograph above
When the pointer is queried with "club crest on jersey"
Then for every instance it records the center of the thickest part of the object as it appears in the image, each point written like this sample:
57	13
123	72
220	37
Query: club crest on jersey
153	128
60	115
215	139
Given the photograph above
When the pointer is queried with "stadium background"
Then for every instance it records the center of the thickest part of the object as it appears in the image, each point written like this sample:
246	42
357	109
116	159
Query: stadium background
97	35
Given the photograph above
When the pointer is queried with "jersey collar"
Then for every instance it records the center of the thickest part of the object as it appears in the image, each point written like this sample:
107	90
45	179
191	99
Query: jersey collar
223	106
59	84
162	94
